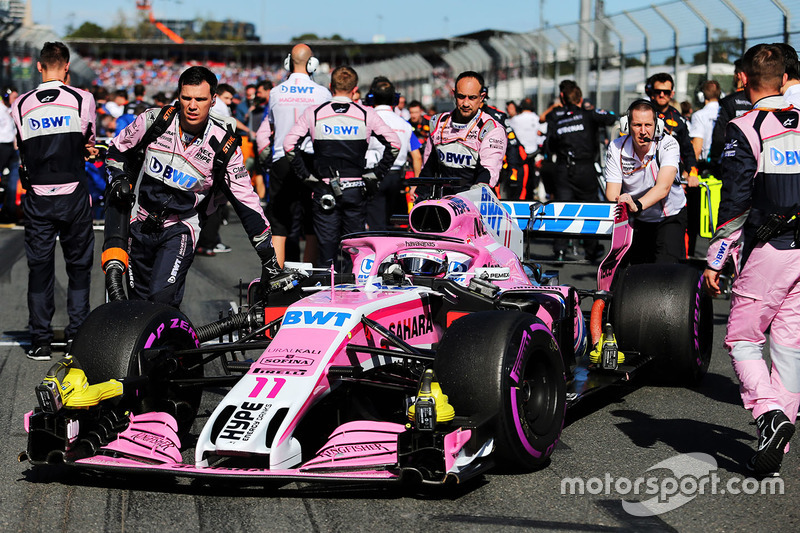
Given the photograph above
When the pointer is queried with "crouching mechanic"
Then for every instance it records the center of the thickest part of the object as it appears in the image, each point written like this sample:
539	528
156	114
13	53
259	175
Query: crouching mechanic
340	131
176	187
640	173
761	198
465	143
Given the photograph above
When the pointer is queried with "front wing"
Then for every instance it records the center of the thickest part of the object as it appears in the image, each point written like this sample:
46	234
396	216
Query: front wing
363	451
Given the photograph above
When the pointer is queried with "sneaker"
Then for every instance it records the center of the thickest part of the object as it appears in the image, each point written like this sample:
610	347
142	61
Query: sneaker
774	431
208	252
221	248
40	352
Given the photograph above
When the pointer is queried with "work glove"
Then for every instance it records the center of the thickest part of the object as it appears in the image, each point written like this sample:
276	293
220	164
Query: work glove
273	278
370	184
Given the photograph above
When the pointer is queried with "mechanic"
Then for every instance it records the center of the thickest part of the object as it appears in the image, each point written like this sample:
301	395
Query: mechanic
732	106
138	100
55	133
701	127
290	200
465	143
760	199
9	157
660	88
512	160
381	207
572	138
791	89
640	173
176	186
340	131
526	126
419	120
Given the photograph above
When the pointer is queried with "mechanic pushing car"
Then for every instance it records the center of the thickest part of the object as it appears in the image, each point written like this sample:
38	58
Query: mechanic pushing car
760	198
465	143
186	166
640	172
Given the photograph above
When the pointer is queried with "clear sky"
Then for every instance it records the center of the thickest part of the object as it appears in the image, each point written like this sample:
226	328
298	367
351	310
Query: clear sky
277	21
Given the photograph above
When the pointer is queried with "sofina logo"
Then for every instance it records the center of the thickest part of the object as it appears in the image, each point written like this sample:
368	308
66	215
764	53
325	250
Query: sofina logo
789	157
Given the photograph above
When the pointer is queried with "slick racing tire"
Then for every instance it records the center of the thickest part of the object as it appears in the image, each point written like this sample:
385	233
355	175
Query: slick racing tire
662	311
109	342
507	364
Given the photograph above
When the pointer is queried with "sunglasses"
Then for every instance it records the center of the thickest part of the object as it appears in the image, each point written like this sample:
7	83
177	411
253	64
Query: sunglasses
656	92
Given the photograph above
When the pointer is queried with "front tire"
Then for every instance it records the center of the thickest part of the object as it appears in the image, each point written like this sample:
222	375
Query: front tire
506	363
112	336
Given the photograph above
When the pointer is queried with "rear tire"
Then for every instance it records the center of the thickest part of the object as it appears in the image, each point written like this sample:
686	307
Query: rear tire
506	363
109	341
662	311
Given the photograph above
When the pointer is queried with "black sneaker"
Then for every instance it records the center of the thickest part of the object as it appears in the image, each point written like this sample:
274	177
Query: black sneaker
774	431
40	352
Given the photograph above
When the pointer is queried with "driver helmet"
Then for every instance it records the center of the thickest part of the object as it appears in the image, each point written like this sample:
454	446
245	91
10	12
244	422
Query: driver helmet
419	263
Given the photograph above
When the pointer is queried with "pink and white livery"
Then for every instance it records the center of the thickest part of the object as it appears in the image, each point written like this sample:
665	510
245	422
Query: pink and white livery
440	355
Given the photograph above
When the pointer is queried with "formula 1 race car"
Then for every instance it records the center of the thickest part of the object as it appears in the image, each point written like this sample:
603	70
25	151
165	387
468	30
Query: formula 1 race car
441	355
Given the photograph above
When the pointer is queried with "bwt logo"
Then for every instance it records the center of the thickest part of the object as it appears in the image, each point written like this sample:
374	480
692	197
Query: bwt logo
167	173
789	157
458	159
316	317
295	89
492	213
340	130
49	122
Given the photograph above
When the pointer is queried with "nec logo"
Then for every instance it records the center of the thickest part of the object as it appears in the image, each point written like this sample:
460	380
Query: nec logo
340	130
296	89
789	157
167	173
49	122
458	159
320	318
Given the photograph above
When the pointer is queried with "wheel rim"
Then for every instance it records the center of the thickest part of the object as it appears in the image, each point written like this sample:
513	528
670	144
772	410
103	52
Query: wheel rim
538	396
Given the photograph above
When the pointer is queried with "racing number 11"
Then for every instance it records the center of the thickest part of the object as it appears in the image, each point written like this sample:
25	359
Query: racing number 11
262	382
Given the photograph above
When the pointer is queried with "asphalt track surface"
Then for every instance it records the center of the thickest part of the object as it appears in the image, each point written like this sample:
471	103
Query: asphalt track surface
619	433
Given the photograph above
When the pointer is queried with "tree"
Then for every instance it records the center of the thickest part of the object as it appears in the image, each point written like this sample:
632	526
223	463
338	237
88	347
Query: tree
88	30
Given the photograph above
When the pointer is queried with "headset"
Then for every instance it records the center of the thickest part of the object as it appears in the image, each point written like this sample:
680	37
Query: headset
369	99
311	66
626	119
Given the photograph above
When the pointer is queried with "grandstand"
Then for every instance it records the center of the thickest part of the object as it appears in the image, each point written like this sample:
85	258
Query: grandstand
626	48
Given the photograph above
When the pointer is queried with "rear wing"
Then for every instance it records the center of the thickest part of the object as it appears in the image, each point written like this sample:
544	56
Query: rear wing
555	219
